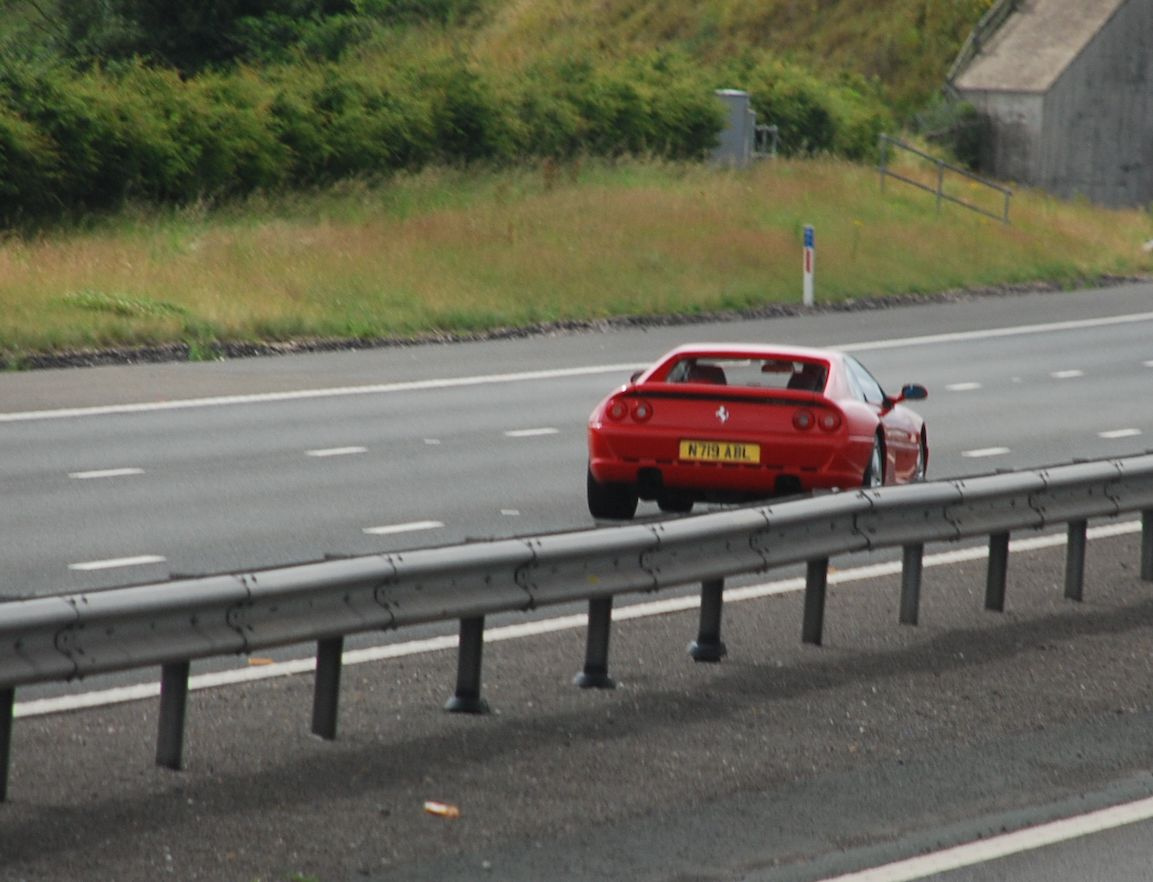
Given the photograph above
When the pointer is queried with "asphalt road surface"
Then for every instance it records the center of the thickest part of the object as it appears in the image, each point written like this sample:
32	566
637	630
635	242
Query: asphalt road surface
783	762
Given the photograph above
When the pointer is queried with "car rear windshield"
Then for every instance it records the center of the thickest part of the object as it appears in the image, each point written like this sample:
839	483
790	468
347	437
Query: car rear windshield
758	373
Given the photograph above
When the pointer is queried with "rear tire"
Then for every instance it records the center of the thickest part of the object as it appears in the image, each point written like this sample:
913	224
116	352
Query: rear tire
875	470
609	501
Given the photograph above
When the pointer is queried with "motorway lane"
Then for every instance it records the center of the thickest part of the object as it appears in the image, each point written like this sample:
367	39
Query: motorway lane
233	486
226	487
218	456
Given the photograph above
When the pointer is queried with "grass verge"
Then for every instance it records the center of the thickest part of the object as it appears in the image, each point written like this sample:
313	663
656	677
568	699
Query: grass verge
449	252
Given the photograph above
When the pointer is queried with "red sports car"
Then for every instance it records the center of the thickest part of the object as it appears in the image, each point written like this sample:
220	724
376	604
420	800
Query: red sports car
736	422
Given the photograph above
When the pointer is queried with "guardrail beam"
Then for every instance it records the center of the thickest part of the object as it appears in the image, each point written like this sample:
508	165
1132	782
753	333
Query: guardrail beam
708	647
596	670
466	699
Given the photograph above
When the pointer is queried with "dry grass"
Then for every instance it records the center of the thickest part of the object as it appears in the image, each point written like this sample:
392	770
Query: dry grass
442	251
907	44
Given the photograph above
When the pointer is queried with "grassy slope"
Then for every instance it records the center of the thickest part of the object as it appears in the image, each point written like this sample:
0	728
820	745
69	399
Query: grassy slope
450	251
907	45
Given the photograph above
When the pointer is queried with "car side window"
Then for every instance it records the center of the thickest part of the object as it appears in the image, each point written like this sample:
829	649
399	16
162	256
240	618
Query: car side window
869	389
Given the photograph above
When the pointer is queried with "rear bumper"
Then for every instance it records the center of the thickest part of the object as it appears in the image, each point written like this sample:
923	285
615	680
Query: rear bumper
825	464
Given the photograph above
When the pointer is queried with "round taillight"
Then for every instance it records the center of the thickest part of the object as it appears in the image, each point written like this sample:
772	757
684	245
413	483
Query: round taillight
803	420
642	411
618	410
829	421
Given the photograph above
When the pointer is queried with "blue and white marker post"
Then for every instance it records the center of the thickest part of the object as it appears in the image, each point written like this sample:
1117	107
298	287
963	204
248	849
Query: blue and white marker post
810	258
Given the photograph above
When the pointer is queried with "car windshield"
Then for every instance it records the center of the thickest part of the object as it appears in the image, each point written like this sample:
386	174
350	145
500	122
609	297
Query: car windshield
759	373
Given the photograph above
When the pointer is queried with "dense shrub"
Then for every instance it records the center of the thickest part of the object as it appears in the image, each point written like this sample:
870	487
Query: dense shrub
89	141
28	174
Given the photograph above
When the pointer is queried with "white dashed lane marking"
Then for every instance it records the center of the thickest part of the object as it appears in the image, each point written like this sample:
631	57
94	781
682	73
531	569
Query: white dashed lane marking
1113	434
531	433
963	387
105	473
983	452
337	451
410	527
117	562
1066	375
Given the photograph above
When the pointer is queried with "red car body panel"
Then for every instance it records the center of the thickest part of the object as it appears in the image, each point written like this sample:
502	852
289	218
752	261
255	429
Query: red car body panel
636	434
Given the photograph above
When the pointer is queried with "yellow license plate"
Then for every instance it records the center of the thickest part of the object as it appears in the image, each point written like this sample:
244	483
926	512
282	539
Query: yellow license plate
720	451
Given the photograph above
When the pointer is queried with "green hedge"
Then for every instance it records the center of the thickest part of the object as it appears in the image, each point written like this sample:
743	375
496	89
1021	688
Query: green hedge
73	142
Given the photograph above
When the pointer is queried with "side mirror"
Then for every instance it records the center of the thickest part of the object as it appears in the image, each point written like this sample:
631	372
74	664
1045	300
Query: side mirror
635	374
913	392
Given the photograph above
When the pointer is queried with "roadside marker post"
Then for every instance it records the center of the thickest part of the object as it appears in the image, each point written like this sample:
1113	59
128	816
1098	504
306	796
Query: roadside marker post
810	248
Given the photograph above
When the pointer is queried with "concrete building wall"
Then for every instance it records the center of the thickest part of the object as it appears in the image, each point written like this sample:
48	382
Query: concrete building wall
1011	147
1097	134
1065	89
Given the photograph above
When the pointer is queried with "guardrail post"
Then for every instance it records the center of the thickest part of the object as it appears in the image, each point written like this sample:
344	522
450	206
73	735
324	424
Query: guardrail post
1075	560
467	698
816	583
997	573
7	707
596	671
326	690
912	560
708	646
173	701
1147	545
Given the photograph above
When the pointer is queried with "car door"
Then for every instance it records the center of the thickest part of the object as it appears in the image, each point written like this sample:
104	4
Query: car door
901	441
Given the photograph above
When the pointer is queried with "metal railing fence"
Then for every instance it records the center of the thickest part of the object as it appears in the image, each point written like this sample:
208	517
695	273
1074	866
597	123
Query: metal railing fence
170	624
940	168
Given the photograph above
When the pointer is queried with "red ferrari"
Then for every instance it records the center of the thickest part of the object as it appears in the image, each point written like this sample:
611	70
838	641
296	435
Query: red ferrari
735	422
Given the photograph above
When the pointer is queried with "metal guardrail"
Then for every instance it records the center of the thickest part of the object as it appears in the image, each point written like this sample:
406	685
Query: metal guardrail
170	624
941	167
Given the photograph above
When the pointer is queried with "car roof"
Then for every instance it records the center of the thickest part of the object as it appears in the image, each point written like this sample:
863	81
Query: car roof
751	350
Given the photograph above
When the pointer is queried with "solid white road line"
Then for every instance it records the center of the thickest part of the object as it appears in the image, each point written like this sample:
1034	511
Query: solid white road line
307	394
116	562
410	527
531	433
456	382
40	707
1004	845
982	452
995	333
336	451
105	473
